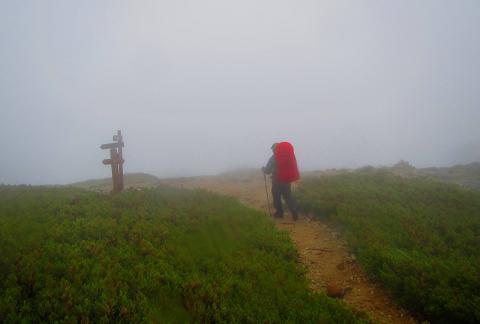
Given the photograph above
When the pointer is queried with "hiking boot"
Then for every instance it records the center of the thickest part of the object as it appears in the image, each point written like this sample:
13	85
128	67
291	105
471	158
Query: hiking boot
295	217
277	215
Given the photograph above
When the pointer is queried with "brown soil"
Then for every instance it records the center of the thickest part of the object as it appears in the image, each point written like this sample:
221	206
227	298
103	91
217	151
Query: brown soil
331	267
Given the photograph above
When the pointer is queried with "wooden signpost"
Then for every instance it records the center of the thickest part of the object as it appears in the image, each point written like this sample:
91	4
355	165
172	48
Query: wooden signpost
115	160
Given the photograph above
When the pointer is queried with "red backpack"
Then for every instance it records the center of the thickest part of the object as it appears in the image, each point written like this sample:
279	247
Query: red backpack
287	170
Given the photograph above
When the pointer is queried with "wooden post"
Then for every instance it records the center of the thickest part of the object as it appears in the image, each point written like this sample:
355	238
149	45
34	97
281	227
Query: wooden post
114	170
116	161
119	139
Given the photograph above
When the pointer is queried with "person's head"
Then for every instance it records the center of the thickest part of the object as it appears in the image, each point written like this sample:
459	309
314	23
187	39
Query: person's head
274	145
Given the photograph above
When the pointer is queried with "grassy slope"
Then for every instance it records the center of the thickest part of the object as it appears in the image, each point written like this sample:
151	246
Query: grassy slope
467	176
182	256
420	238
464	175
131	180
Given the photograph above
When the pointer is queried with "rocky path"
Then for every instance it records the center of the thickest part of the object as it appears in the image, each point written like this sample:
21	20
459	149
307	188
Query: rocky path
331	267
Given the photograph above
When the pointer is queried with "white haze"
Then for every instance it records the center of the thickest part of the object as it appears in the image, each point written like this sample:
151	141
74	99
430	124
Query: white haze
200	87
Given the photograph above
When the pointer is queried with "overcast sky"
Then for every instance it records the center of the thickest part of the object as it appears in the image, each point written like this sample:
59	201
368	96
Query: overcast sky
200	87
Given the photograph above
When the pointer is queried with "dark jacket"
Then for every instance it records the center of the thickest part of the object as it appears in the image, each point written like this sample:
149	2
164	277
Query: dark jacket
271	168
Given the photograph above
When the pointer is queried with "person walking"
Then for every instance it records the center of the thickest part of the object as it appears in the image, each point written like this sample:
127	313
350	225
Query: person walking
282	167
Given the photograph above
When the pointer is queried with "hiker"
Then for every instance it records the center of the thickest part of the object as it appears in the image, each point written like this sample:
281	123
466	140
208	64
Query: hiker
282	167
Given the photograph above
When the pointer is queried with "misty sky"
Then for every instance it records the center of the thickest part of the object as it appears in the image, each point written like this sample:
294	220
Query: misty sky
201	87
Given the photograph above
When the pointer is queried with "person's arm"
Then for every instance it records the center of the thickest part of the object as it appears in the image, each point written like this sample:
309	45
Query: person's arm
270	167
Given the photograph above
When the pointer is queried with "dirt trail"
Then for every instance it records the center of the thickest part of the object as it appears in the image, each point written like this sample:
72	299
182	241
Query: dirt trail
329	263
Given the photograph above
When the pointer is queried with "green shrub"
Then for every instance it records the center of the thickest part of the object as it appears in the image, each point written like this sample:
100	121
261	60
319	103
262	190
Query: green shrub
68	255
419	237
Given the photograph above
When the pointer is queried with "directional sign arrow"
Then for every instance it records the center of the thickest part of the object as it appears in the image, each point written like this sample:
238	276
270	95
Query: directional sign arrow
111	146
110	161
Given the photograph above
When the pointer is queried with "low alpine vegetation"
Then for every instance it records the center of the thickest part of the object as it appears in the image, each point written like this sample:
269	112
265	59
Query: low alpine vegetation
68	255
419	237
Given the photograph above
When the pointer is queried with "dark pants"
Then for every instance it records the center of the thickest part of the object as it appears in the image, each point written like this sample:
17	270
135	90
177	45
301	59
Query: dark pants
283	189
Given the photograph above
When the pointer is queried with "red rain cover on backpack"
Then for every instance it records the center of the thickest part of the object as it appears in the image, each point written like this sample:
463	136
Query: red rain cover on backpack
287	170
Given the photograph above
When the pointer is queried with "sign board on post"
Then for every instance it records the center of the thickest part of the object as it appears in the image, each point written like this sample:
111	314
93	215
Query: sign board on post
116	160
111	146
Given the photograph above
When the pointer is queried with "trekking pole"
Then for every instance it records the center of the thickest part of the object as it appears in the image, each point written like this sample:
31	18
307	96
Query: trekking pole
266	191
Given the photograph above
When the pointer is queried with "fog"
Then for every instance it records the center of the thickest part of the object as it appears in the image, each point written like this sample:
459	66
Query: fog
201	87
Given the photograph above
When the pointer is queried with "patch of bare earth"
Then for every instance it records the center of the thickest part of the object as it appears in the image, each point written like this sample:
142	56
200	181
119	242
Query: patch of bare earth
331	267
